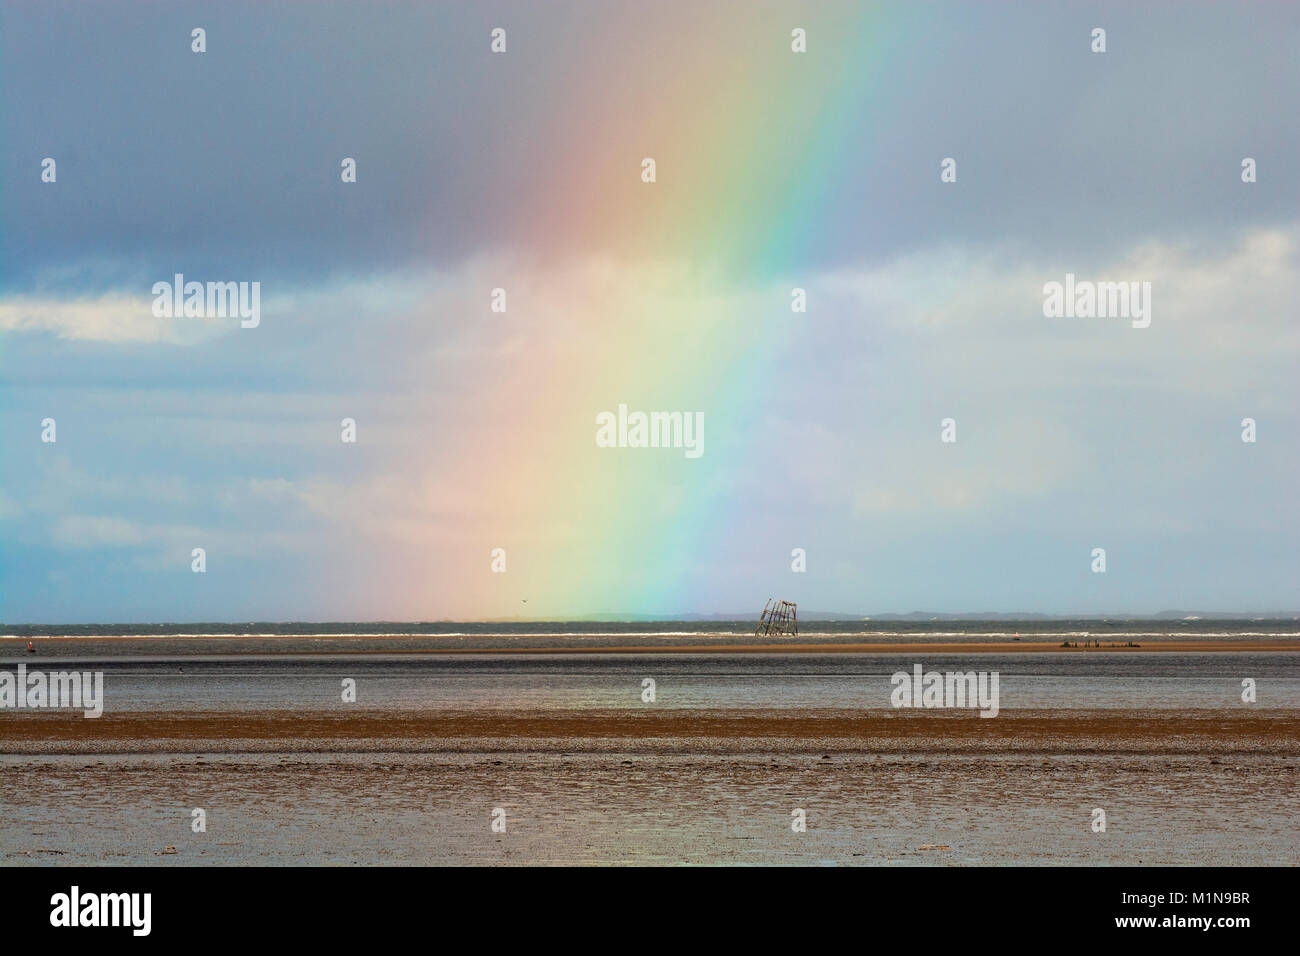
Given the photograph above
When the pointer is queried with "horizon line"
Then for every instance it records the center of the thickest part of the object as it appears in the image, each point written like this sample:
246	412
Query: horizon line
694	617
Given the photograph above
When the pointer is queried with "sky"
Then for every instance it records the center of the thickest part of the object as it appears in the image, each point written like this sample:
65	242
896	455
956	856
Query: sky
523	170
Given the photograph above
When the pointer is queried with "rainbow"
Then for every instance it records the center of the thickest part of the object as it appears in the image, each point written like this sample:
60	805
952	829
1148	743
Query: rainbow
673	295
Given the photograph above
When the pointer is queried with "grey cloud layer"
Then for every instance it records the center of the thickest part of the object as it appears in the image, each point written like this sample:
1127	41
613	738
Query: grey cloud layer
227	163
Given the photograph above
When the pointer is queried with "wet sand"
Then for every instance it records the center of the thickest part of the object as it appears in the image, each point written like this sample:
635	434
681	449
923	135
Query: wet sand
702	800
1273	732
288	774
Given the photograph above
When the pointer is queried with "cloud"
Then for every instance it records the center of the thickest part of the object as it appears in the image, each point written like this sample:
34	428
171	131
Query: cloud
1223	311
89	532
150	546
112	317
476	428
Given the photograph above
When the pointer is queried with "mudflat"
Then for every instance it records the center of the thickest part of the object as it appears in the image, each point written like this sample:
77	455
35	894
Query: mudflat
1274	731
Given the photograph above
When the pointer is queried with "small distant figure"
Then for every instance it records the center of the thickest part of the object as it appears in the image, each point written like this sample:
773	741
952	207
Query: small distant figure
1017	637
31	648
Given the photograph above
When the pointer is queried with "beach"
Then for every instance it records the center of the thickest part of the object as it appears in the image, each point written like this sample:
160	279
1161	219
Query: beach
558	735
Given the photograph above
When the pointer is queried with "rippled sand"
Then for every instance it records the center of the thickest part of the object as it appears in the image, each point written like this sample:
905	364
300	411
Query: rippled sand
558	737
663	786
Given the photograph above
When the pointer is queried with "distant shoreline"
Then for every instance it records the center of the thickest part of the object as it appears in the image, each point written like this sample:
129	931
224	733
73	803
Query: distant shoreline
656	644
1009	647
